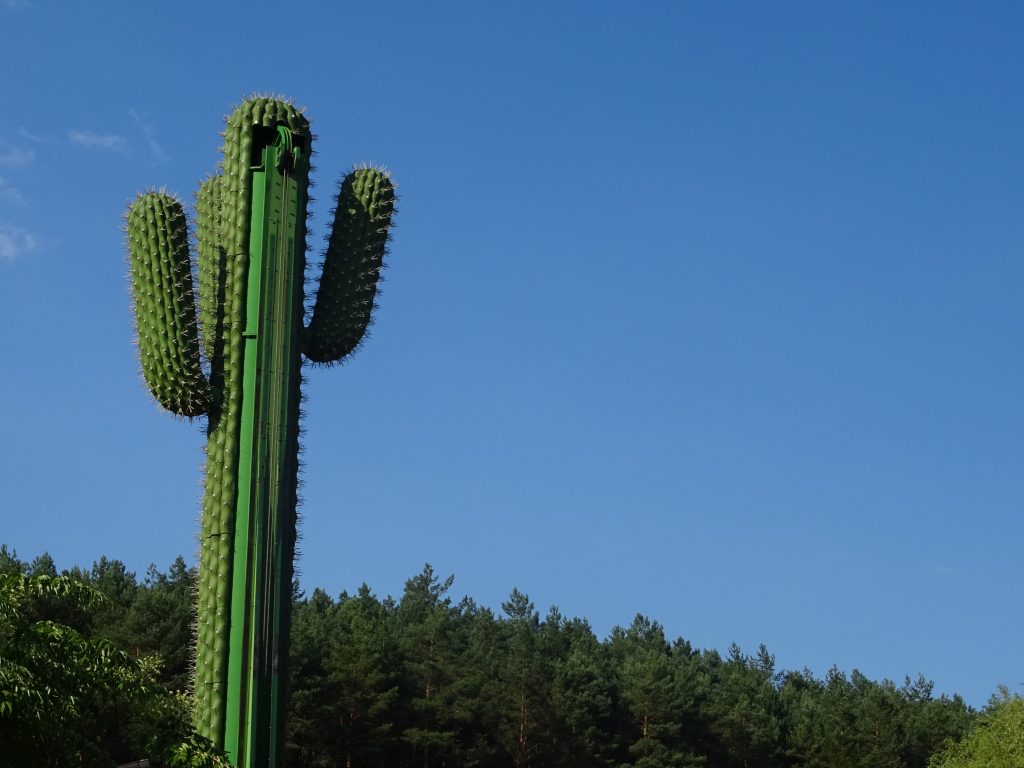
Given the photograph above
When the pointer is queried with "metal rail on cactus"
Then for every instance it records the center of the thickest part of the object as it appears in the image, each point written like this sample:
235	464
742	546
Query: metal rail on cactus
240	366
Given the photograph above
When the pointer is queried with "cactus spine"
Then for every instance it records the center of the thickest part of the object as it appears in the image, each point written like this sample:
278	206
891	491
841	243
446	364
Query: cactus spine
240	365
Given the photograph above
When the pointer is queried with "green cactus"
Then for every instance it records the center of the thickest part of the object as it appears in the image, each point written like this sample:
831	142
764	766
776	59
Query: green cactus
241	367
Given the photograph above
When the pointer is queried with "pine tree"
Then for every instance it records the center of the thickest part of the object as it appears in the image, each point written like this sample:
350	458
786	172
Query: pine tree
582	691
526	726
477	690
429	661
652	700
745	712
801	700
10	563
361	666
312	706
159	621
113	580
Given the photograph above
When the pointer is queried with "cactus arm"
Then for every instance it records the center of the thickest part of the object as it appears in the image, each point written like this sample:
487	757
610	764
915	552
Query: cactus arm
352	265
211	262
164	304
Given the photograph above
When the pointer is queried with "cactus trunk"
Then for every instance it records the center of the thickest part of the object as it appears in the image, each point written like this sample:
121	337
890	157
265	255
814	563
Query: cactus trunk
251	232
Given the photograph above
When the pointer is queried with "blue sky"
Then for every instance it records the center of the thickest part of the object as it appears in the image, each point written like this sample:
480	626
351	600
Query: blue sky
709	311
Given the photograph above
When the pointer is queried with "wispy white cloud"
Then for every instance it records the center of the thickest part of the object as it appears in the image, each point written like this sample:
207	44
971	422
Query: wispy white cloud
17	158
16	5
15	242
91	140
9	192
156	151
26	134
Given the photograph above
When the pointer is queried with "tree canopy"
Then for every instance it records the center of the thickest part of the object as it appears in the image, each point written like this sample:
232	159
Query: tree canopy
94	669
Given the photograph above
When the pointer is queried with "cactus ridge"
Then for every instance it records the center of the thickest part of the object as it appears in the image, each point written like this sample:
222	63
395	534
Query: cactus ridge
237	359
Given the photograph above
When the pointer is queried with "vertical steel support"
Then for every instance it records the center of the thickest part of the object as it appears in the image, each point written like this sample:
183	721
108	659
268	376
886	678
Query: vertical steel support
261	584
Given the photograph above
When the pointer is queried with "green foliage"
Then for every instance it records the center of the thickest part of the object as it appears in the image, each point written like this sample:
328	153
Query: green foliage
69	699
998	739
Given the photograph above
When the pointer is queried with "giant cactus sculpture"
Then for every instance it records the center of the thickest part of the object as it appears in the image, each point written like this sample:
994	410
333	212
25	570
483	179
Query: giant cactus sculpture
240	366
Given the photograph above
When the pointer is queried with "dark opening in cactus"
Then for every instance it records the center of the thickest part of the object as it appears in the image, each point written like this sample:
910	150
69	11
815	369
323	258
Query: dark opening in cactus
251	246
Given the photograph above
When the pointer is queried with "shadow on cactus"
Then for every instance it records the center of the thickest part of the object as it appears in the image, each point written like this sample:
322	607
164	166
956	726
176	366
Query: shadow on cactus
251	246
